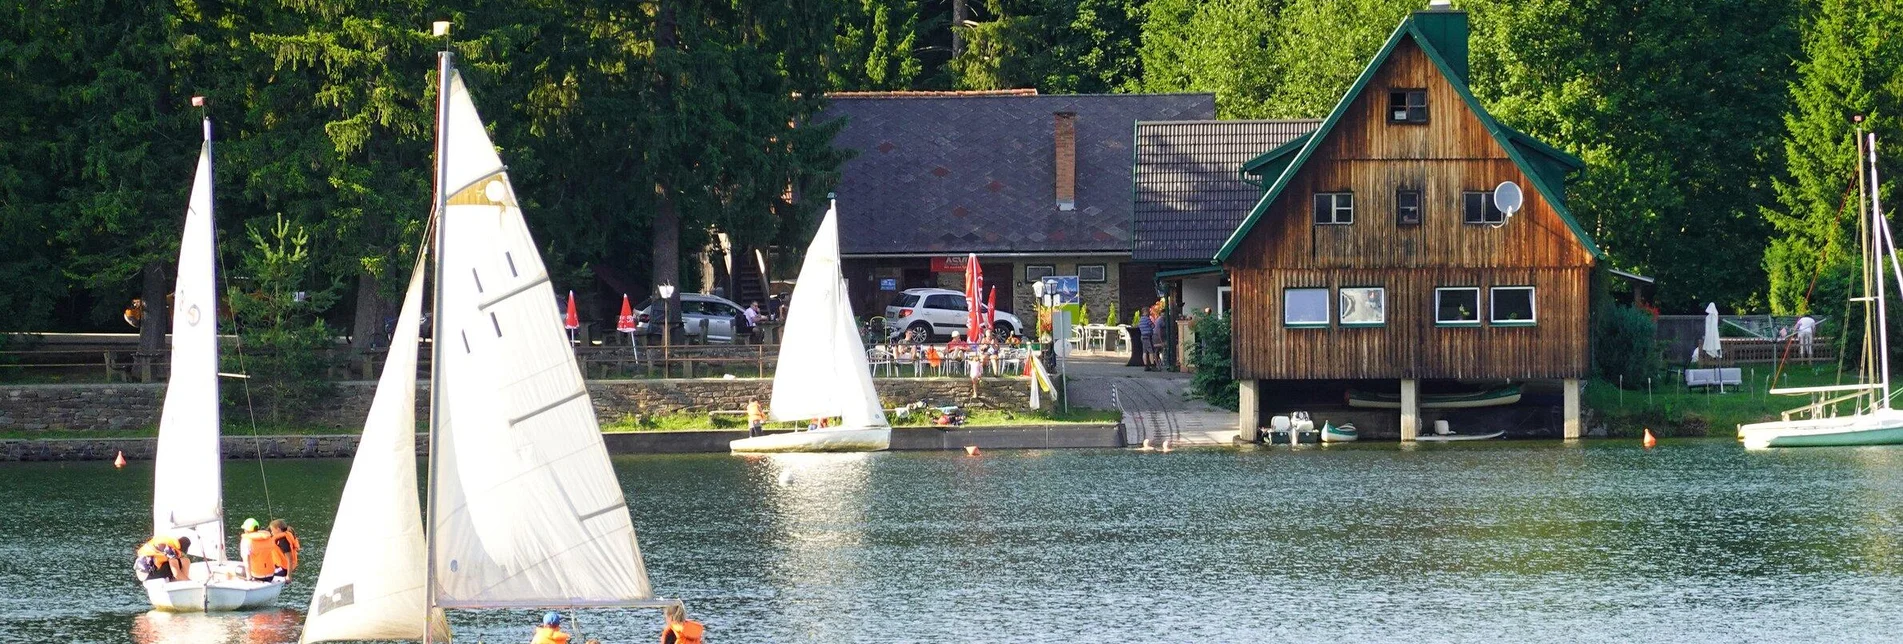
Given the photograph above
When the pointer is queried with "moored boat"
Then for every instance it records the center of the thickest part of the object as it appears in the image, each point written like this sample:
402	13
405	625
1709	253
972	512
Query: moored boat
1343	433
1382	400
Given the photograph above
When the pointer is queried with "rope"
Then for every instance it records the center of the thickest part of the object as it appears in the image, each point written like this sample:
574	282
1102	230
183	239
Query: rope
1822	260
257	442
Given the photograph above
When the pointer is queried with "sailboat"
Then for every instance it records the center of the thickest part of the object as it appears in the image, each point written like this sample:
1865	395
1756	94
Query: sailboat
523	508
188	495
1872	421
822	369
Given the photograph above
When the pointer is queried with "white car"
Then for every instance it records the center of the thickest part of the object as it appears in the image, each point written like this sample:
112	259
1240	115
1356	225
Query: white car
937	312
717	311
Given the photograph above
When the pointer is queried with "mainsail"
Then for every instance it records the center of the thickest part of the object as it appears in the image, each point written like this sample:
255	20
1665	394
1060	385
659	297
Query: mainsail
822	368
187	494
526	510
371	586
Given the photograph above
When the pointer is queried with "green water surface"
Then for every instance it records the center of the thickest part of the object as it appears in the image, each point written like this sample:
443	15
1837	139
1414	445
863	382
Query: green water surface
1513	541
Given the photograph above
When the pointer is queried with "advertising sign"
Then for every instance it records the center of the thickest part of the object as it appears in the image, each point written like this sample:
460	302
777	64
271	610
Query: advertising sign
1066	288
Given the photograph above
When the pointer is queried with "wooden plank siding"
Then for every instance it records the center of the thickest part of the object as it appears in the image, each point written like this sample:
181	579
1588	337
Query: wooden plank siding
1451	154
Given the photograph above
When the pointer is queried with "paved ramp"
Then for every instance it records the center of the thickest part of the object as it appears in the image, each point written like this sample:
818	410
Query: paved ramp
1155	405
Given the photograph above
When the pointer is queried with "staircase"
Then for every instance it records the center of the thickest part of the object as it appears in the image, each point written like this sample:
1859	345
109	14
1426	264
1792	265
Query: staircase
747	285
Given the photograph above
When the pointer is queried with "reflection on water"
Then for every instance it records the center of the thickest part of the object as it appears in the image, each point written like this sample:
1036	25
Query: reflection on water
1691	542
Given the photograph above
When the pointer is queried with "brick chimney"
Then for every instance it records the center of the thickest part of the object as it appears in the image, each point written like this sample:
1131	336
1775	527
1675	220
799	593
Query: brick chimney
1066	183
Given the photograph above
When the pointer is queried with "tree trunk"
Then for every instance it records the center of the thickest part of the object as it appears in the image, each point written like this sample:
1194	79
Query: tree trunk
366	327
957	23
667	249
158	317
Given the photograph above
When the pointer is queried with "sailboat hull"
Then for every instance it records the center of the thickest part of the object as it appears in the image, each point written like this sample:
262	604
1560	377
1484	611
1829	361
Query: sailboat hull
820	440
219	594
1881	428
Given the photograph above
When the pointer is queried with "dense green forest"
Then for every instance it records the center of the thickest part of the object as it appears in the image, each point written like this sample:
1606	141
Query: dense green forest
1717	132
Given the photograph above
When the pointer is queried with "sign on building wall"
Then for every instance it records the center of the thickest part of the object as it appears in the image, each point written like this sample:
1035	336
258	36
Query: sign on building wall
948	264
1066	287
888	284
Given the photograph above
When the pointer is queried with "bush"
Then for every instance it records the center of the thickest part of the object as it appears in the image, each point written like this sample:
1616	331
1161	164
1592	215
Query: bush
284	346
1625	348
1212	381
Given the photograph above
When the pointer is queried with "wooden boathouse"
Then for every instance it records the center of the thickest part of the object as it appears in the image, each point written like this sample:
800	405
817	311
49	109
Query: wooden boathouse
1376	258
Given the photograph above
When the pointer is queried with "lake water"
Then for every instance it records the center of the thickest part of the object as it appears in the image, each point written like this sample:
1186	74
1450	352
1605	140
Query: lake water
1528	541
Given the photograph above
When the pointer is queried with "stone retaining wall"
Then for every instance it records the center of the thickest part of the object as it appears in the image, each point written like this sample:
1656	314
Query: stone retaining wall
130	406
708	441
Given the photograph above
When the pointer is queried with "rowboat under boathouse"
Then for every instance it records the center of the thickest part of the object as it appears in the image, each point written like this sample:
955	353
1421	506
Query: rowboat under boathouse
1410	249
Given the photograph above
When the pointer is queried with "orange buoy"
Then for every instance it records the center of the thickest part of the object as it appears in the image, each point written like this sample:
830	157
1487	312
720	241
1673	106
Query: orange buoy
971	450
120	460
1649	441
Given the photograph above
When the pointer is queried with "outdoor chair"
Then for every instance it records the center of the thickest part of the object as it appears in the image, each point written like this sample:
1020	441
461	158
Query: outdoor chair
879	358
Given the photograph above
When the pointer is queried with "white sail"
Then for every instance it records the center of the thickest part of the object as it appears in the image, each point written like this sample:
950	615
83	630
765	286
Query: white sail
527	510
187	494
371	584
822	368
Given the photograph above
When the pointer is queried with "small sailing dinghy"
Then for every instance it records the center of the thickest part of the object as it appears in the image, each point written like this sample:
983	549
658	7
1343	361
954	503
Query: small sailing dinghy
1871	421
1444	433
822	369
188	496
524	509
1343	433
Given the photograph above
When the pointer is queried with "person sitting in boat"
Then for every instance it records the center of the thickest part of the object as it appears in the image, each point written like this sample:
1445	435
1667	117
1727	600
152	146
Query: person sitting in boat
550	632
262	560
287	544
680	629
164	558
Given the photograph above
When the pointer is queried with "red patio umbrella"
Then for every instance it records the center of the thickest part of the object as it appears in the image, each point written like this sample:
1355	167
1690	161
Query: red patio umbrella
991	309
625	322
571	321
974	289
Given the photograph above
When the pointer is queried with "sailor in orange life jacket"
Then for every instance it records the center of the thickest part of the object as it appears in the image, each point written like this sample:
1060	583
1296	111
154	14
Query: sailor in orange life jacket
164	558
262	560
680	629
287	544
550	632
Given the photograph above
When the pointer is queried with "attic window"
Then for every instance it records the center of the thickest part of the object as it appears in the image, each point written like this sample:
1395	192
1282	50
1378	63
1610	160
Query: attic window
1407	106
1478	208
1334	208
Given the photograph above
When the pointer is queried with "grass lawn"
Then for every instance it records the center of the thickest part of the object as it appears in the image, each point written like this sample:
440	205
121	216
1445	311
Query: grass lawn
1669	409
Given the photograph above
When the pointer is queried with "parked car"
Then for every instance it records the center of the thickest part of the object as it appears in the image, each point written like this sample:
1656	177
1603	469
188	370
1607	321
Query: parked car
937	312
717	311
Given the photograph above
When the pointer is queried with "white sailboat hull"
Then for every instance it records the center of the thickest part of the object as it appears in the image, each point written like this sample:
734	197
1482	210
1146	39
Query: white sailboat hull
1883	427
872	439
1444	438
224	591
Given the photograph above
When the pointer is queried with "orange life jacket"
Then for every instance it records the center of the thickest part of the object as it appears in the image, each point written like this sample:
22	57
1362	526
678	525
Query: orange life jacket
168	550
687	632
547	635
754	415
262	558
288	552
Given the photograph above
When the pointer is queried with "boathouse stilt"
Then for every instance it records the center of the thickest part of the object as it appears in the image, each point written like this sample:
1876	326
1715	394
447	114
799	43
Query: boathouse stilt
1572	408
1410	409
1248	408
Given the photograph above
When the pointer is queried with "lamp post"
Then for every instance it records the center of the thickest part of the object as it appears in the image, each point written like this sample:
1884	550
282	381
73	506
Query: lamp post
667	327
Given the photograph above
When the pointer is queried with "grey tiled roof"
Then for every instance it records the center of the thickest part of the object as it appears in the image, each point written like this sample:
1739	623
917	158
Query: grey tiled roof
1188	195
958	174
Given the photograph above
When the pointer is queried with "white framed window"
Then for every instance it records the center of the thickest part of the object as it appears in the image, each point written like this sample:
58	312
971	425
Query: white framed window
1036	272
1222	301
1362	305
1334	208
1512	306
1457	306
1090	272
1305	307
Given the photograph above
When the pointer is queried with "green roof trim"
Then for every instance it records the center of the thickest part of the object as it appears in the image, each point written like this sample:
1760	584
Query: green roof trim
1186	272
1255	166
1549	184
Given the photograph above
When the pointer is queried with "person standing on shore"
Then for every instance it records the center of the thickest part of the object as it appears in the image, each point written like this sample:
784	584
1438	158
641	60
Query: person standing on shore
756	419
1806	336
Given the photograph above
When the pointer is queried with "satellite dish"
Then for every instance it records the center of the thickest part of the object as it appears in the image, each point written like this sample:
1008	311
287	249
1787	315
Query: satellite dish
1507	197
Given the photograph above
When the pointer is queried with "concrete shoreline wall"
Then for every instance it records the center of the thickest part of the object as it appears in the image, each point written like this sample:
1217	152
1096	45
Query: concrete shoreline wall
674	442
80	407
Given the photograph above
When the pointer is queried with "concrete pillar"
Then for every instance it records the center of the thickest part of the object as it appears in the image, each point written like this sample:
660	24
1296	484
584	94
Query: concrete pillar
1248	407
1572	408
1410	410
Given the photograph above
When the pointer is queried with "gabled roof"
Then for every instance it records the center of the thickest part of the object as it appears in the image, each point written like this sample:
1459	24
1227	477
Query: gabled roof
1188	195
1543	164
975	172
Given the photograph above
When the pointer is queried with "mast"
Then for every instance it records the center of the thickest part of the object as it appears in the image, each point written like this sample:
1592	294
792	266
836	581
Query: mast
1868	270
1878	226
443	67
218	464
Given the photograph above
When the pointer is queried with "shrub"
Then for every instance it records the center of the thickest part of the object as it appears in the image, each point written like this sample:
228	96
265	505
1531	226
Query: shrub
1211	380
1624	346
